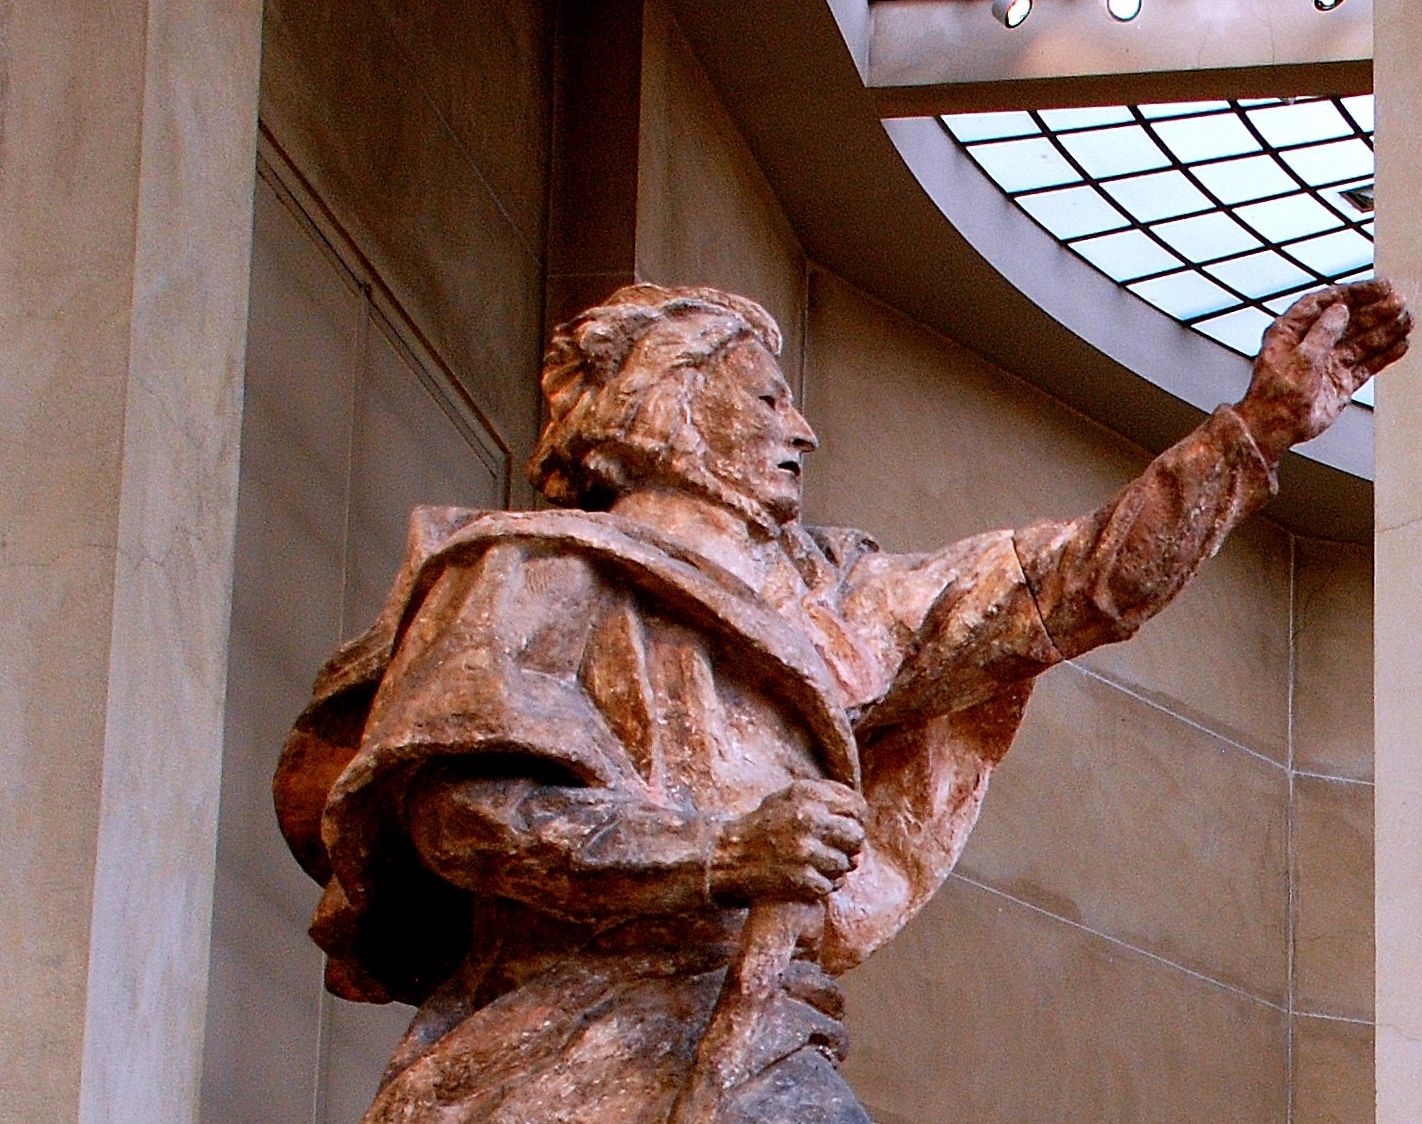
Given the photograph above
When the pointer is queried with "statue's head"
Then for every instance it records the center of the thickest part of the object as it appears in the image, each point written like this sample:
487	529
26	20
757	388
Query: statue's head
671	387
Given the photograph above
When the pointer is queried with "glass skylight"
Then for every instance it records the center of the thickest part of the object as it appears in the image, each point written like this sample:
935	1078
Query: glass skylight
1219	214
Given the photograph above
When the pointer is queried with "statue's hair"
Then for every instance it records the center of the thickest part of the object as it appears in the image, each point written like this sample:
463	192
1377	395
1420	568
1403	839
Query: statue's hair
620	380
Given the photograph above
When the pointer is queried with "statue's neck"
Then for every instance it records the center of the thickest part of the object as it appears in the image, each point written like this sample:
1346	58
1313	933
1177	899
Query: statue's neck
709	528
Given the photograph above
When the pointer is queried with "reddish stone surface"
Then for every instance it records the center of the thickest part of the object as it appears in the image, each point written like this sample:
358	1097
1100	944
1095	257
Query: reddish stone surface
612	793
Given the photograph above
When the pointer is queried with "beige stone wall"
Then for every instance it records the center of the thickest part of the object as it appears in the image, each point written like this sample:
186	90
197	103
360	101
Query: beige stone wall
705	213
1162	914
342	436
425	128
69	275
1173	858
1398	548
125	202
403	199
1334	1017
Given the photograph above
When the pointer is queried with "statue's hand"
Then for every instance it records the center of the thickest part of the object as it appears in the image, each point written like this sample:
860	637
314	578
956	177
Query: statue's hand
1315	356
797	846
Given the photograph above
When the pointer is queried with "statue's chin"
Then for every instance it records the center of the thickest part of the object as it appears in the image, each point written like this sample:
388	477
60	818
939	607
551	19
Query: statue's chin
768	515
783	512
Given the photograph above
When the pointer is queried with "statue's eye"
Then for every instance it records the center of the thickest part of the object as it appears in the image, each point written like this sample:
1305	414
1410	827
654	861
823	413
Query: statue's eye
768	399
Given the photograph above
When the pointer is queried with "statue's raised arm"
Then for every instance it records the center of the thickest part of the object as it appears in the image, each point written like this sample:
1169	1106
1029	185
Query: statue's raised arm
1099	578
579	748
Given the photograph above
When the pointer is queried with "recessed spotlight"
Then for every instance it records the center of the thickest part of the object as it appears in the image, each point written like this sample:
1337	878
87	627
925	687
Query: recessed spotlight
1011	13
1327	5
1125	10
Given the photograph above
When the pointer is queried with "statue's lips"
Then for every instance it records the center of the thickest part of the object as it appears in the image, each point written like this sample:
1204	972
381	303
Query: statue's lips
792	467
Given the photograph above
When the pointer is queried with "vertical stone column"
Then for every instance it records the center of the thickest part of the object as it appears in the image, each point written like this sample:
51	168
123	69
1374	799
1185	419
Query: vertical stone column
592	200
1398	556
125	204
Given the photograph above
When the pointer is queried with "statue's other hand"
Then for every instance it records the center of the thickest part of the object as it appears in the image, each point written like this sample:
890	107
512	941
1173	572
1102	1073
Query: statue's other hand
1316	355
799	845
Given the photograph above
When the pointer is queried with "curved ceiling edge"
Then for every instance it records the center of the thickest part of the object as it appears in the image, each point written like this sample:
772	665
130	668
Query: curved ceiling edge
1138	337
790	81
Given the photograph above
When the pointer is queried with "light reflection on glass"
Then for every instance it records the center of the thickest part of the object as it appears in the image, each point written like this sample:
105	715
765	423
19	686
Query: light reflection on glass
1360	109
1084	118
1184	295
991	126
1193	139
1114	152
1025	164
1181	108
1236	181
1164	195
1282	125
1290	217
1259	275
1333	255
1073	212
1241	330
1218	213
1331	163
1215	235
1126	256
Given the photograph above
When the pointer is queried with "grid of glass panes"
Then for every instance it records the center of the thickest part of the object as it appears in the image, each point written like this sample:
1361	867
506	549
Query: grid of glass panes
1220	213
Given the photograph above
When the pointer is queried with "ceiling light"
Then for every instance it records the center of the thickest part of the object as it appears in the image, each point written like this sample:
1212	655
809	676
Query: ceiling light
1011	13
1326	5
1125	10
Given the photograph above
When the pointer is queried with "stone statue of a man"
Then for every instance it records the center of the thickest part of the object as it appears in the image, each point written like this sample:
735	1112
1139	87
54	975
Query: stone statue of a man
543	790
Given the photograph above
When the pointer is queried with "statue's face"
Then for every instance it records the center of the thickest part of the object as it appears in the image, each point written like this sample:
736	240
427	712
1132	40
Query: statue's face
754	437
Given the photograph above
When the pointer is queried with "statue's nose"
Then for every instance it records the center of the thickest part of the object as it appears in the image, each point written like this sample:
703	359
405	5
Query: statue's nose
801	435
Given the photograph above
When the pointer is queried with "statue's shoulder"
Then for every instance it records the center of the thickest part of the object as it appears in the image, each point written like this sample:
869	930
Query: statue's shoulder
435	530
435	527
842	546
440	535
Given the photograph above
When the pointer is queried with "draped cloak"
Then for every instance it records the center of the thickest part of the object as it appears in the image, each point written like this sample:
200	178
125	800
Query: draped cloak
654	695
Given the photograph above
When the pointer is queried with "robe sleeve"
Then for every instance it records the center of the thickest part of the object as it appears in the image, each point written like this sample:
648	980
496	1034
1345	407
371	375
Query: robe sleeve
964	632
486	673
488	663
583	854
962	624
485	676
498	761
1096	580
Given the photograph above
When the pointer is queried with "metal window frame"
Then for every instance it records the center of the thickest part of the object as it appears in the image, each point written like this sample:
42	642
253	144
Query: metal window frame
1240	109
